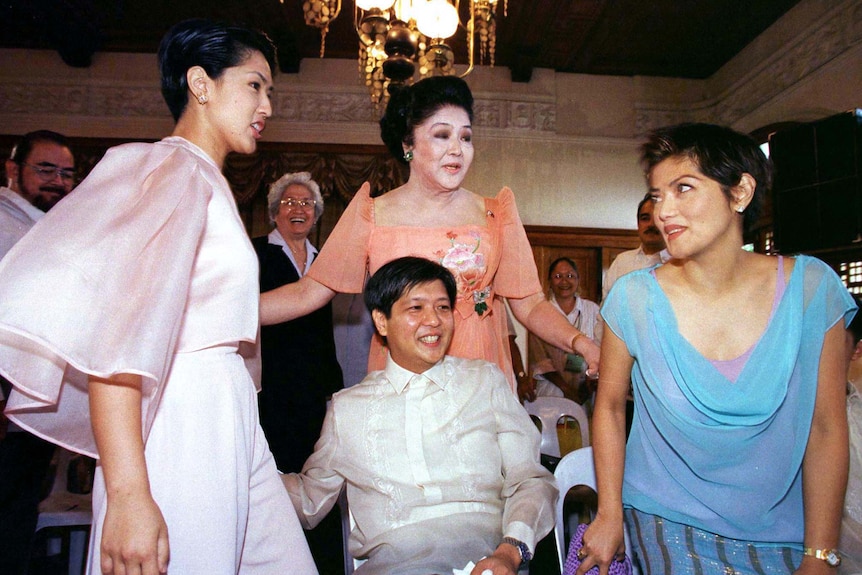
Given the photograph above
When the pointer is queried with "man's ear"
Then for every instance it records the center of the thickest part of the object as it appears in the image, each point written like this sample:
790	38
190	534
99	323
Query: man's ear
857	351
12	173
380	321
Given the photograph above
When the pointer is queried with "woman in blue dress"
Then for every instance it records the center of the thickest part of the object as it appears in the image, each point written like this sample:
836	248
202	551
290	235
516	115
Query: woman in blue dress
737	459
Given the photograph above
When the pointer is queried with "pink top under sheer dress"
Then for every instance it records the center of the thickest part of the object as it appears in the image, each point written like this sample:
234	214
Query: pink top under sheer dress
731	368
488	262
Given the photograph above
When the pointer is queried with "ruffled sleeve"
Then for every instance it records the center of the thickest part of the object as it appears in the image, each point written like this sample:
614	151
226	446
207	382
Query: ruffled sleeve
99	287
342	263
516	276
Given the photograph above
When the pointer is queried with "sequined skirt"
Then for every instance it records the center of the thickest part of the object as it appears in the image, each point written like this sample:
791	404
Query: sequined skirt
662	547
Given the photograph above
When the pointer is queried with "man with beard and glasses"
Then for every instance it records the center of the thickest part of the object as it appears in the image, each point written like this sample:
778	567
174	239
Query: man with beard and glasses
650	252
41	171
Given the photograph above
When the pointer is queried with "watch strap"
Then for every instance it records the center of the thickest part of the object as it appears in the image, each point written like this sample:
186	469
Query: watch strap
522	548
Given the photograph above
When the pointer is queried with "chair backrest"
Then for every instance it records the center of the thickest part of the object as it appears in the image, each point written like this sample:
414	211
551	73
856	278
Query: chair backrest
549	410
577	468
347	525
62	508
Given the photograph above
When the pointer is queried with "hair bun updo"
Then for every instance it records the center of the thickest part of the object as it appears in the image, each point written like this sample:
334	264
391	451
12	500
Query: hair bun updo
411	105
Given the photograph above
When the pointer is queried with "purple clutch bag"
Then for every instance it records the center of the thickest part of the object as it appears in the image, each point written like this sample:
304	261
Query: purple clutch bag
572	562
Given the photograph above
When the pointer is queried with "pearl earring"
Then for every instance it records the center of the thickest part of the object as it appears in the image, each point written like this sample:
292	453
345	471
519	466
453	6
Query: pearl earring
740	209
202	99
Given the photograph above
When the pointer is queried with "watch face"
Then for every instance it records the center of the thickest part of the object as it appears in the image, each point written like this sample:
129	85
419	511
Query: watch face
832	558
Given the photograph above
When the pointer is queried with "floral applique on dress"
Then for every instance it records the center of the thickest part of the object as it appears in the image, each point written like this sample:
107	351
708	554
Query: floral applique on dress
468	266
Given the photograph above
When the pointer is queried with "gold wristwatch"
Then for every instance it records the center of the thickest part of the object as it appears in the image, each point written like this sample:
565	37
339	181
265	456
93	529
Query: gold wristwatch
832	557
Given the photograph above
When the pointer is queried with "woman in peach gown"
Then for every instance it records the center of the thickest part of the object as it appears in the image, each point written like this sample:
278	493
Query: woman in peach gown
480	240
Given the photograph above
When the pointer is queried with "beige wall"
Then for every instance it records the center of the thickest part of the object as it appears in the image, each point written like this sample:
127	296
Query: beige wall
565	143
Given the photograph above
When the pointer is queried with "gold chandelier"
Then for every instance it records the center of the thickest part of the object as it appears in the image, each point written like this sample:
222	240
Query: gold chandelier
395	35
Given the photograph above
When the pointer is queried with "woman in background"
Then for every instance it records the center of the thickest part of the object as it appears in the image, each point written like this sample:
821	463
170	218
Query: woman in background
737	458
128	315
300	368
558	373
428	126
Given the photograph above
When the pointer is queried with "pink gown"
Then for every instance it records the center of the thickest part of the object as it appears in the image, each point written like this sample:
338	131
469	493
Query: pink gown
146	269
489	262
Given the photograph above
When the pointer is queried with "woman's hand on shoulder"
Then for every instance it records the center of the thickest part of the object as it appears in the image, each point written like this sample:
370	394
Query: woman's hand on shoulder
134	537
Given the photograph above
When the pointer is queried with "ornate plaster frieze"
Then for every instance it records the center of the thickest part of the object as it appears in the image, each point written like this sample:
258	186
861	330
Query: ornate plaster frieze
822	42
323	107
27	98
112	101
78	100
518	116
117	100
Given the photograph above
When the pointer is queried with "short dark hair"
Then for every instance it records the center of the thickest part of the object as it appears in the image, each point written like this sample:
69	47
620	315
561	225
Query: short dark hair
411	105
647	198
568	260
721	153
211	45
395	278
22	149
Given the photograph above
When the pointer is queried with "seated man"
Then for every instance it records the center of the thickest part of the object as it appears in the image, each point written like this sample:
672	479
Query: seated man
440	460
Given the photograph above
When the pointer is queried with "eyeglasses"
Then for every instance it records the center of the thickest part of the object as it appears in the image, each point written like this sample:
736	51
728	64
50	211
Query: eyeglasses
48	172
293	202
568	276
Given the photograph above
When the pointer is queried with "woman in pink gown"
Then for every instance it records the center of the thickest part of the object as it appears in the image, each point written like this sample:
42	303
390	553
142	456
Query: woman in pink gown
480	240
128	326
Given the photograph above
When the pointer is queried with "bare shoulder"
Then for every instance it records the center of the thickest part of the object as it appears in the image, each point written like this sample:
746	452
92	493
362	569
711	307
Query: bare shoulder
767	265
473	199
389	207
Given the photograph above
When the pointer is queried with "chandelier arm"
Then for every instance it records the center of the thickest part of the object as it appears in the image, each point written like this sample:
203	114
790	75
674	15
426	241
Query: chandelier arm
471	23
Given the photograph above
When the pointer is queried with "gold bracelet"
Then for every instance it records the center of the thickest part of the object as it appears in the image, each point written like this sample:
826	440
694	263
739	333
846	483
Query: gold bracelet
575	339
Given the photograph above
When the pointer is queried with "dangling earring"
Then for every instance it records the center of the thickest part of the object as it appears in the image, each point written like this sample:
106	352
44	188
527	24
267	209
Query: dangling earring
408	156
202	99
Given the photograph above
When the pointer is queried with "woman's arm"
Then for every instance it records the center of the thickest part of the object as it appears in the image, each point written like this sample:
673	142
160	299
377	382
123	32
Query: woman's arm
539	316
293	300
134	536
824	468
604	538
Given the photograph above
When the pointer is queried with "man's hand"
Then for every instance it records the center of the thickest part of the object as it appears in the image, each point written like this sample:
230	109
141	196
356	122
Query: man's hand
505	561
526	388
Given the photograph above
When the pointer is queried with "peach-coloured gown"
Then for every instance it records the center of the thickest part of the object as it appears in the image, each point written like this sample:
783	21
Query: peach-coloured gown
489	262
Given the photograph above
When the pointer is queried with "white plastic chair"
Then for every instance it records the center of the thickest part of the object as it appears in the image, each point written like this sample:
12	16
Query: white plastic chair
577	468
70	511
549	410
347	525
